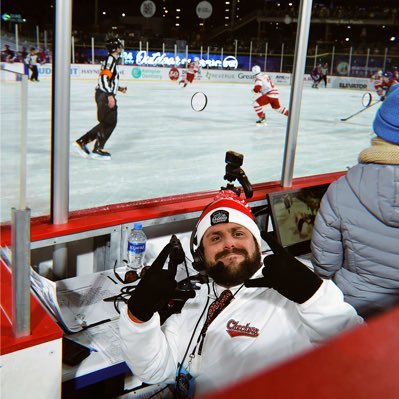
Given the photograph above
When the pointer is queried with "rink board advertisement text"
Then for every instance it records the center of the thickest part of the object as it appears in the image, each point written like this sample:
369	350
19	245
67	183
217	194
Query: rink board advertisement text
140	73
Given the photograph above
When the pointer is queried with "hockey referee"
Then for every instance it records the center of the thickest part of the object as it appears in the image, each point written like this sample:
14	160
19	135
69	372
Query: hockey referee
107	109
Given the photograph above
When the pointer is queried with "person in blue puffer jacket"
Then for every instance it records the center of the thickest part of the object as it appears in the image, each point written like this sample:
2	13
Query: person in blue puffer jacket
355	238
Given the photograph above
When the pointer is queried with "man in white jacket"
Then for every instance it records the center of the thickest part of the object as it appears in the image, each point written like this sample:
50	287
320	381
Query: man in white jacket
245	319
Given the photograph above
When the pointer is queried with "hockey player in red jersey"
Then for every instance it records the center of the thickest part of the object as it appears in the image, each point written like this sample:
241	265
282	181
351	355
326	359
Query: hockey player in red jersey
266	93
382	86
192	69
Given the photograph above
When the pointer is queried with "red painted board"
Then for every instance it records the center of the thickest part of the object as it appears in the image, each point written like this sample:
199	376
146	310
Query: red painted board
43	327
360	364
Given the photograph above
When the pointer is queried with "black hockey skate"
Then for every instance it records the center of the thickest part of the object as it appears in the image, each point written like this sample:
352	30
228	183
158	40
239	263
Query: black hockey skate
99	153
81	149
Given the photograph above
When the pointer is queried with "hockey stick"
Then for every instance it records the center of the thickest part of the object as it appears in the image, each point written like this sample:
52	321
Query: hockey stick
358	112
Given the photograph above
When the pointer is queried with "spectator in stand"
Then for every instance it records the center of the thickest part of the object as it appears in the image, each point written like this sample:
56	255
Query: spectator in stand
24	54
355	239
395	74
7	54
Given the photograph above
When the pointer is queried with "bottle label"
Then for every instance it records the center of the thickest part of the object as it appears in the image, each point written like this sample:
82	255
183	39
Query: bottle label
136	248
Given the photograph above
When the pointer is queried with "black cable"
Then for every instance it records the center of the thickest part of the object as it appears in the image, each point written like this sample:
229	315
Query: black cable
191	339
156	393
185	266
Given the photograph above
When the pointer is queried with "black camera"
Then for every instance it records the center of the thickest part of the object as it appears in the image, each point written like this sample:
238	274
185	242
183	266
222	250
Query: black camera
234	161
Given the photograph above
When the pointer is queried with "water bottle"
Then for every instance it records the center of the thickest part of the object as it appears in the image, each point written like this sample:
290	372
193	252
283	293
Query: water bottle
136	246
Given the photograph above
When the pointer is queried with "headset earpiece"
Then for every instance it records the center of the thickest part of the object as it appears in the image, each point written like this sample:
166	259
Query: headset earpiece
198	259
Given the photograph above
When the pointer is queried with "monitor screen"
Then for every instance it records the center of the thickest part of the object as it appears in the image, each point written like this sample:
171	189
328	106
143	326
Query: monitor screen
293	213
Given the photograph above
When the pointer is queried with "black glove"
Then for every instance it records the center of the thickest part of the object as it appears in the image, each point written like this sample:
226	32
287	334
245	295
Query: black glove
154	289
159	285
287	275
382	98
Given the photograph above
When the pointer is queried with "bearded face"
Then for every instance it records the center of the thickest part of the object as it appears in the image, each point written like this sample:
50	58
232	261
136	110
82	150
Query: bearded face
231	254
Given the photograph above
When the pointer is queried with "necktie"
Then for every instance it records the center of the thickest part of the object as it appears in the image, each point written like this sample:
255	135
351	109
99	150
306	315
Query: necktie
216	308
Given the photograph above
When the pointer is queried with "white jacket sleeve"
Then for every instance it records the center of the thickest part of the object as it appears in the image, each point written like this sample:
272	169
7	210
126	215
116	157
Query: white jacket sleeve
147	351
326	314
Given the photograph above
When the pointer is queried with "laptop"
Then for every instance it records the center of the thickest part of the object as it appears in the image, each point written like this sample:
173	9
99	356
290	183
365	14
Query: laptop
292	214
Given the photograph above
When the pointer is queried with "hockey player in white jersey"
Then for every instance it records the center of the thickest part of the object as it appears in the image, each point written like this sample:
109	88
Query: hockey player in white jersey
266	93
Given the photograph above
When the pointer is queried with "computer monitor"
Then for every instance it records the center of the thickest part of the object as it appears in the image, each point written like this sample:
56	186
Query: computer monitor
292	214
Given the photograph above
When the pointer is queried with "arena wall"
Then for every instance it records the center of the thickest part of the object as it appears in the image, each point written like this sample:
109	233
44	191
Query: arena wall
139	73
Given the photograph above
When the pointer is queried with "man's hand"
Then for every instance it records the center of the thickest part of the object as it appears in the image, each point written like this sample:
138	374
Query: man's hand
158	284
287	275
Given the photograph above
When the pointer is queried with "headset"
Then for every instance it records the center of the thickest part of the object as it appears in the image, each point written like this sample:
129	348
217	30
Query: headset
198	257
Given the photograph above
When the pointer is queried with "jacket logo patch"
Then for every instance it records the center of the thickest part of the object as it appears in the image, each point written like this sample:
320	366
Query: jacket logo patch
236	330
220	216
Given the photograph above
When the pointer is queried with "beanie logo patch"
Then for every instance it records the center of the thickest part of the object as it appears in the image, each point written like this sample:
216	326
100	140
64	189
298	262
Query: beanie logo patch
220	216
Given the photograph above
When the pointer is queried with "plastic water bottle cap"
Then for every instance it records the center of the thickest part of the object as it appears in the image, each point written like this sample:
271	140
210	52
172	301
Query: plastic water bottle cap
138	226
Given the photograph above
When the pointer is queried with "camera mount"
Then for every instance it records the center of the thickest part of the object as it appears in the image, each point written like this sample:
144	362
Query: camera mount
234	160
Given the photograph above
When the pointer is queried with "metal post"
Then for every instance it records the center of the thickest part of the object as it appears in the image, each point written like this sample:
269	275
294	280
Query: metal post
37	37
20	272
21	235
207	54
305	9
92	50
175	51
282	58
23	127
60	111
385	58
350	61
250	56
221	56
266	50
123	53
73	49
147	47
140	47
186	55
201	54
16	38
45	39
367	63
316	50
163	48
332	61
235	47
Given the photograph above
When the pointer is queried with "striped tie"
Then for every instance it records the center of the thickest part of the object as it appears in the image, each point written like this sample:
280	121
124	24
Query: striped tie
216	307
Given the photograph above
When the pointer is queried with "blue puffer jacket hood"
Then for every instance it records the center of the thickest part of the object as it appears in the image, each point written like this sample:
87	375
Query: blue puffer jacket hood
381	198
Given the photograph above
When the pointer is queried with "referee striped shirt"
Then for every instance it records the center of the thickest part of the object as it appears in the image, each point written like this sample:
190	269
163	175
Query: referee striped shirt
108	80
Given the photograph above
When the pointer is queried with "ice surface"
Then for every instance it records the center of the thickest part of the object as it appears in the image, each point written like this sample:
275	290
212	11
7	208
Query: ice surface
162	147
